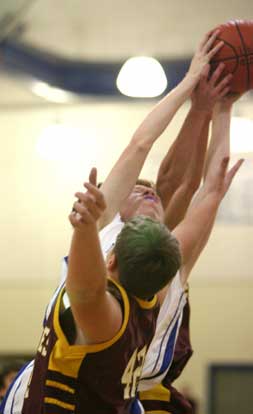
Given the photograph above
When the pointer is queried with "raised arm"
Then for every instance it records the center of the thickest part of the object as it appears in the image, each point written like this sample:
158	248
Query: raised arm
96	313
181	171
195	229
128	167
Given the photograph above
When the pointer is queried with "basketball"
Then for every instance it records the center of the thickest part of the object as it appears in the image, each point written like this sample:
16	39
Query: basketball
236	53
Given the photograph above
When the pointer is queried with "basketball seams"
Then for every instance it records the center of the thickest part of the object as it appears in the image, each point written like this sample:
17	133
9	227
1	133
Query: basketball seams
246	55
231	58
235	57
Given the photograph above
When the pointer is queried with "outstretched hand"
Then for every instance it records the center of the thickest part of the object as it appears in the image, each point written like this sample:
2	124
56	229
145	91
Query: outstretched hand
224	177
228	176
211	89
90	205
204	53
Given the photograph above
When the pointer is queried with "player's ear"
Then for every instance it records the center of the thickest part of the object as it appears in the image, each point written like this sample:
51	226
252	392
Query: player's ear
111	261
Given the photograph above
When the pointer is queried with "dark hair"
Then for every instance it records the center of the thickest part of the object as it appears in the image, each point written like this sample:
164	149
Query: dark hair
148	256
13	366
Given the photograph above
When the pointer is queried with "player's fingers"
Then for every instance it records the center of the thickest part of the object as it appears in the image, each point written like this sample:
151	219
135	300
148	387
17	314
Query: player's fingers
216	74
232	172
96	212
75	219
224	166
89	211
81	215
224	83
205	71
88	208
89	205
208	41
98	195
209	38
214	50
79	207
85	196
224	92
93	176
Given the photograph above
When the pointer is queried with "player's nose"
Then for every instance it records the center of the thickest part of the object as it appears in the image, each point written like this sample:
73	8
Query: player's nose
151	192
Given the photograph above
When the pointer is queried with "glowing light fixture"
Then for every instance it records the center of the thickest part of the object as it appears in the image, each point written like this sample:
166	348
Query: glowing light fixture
141	77
61	142
50	93
241	135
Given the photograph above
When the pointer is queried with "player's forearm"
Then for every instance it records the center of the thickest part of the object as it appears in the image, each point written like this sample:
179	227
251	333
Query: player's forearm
197	221
122	179
158	119
205	205
200	239
201	215
220	141
184	161
86	268
177	206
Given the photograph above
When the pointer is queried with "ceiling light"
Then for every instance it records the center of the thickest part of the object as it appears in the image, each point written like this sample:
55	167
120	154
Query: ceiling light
142	77
50	93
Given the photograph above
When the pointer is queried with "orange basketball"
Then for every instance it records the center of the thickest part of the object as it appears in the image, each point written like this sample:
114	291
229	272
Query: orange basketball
237	53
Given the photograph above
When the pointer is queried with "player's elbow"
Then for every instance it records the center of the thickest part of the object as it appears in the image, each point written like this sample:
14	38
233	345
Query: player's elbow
141	142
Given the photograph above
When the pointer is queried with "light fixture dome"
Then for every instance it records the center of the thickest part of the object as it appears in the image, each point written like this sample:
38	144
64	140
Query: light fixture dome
142	77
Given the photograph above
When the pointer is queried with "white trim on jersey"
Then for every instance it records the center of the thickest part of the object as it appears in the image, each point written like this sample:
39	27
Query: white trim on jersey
161	350
109	233
14	400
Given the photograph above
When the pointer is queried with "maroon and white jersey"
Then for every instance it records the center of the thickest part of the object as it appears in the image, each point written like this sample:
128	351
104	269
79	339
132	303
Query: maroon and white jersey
98	379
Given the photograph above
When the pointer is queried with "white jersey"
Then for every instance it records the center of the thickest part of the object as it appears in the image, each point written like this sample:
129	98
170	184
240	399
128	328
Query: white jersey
161	350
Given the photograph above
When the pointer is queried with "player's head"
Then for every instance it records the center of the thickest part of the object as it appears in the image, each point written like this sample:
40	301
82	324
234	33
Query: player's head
147	256
143	200
7	375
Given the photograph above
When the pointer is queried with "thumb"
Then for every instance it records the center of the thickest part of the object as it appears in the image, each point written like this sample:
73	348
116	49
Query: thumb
232	172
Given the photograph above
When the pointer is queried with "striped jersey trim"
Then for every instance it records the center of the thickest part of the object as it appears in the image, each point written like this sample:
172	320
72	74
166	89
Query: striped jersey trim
159	392
62	404
60	386
58	377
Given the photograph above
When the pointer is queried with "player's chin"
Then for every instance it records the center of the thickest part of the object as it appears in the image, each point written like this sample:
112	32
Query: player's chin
150	211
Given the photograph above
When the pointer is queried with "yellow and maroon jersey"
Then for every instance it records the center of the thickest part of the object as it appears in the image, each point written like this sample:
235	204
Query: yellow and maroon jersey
92	379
